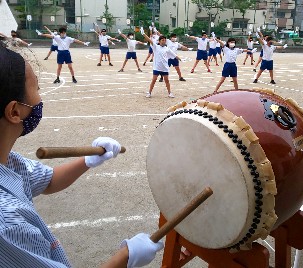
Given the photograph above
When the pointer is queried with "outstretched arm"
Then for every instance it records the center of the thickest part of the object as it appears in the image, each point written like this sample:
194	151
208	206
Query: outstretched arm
123	35
50	32
3	35
220	41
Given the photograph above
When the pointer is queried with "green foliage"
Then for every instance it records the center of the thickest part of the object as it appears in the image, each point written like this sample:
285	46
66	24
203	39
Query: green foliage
110	20
219	29
164	29
243	5
199	26
179	31
139	37
142	16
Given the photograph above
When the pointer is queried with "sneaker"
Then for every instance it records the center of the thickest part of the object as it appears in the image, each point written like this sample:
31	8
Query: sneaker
46	58
57	81
101	60
171	95
139	70
209	71
273	82
192	70
252	63
110	64
121	70
255	81
144	63
105	59
161	79
99	64
148	95
217	64
181	79
255	70
243	63
74	80
151	60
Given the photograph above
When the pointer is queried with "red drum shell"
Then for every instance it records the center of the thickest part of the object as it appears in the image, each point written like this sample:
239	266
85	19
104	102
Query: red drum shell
276	141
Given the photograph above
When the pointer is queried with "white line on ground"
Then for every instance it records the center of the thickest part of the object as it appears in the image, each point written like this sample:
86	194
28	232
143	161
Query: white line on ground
99	116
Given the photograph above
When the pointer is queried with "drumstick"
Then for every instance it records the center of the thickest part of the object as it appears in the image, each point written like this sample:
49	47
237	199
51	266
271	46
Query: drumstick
63	152
181	215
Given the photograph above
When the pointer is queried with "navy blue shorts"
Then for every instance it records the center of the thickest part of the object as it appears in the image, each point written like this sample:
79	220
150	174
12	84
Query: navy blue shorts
267	65
54	48
249	51
104	50
261	53
150	50
212	52
174	62
229	69
131	55
64	56
218	50
159	73
201	55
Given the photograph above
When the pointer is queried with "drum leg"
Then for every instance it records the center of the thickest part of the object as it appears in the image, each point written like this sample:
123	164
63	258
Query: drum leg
282	249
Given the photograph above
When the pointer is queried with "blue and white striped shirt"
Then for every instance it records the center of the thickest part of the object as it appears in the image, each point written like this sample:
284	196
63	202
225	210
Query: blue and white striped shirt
25	240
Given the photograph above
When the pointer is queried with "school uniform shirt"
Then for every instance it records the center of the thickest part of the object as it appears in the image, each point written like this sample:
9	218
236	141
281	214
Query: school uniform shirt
103	39
268	52
218	44
63	43
250	44
131	45
202	44
212	44
25	240
161	56
15	41
231	54
155	39
173	46
54	42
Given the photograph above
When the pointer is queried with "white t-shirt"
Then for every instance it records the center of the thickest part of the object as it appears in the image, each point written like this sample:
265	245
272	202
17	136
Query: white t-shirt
250	44
231	54
174	46
103	39
212	44
155	39
63	43
218	44
54	41
15	41
202	44
161	56
131	45
268	52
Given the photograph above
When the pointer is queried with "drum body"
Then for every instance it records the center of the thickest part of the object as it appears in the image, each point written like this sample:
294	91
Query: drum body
246	146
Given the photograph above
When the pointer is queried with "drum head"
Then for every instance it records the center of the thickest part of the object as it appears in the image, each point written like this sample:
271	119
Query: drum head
188	153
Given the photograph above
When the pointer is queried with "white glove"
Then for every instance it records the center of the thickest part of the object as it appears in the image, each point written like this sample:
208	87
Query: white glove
187	35
213	35
257	35
86	43
145	44
285	46
190	48
29	44
155	30
153	24
113	44
111	146
119	40
257	42
119	31
38	32
92	30
142	30
150	28
249	33
254	50
141	250
280	41
258	29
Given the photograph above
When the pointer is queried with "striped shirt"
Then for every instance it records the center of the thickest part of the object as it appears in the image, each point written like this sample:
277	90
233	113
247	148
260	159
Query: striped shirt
25	240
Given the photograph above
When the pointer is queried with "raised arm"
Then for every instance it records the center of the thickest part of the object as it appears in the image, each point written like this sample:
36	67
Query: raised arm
50	32
220	41
146	36
3	35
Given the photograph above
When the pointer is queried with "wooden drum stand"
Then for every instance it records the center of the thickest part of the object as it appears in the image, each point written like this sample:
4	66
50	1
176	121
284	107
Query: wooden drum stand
287	235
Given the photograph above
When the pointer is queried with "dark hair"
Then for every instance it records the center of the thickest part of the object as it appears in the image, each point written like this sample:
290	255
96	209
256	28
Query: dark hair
103	31
62	30
12	77
231	39
218	37
13	31
269	38
173	35
203	33
161	37
129	34
55	30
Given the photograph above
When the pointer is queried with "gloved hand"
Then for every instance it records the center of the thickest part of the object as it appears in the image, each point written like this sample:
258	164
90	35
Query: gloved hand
38	32
150	28
113	43
141	250
92	30
285	46
258	29
190	48
257	42
142	30
257	35
119	31
119	40
145	44
249	33
111	146
187	35
86	43
280	41
29	44
213	35
153	24
254	50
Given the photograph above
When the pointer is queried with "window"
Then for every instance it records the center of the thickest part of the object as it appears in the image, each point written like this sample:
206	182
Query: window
240	24
173	22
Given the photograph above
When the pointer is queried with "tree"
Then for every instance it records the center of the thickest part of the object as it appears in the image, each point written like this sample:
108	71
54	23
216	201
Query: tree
211	7
199	26
110	20
243	5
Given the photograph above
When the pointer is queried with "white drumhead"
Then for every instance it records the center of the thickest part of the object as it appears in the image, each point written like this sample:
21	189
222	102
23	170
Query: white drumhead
188	153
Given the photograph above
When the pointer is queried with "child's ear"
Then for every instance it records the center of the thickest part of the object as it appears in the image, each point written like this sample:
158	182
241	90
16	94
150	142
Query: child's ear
12	112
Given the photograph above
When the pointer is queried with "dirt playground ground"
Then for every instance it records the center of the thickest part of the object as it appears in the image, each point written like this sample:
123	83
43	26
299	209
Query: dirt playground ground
114	201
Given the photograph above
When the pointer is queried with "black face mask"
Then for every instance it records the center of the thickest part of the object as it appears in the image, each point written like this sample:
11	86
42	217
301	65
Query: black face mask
33	119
